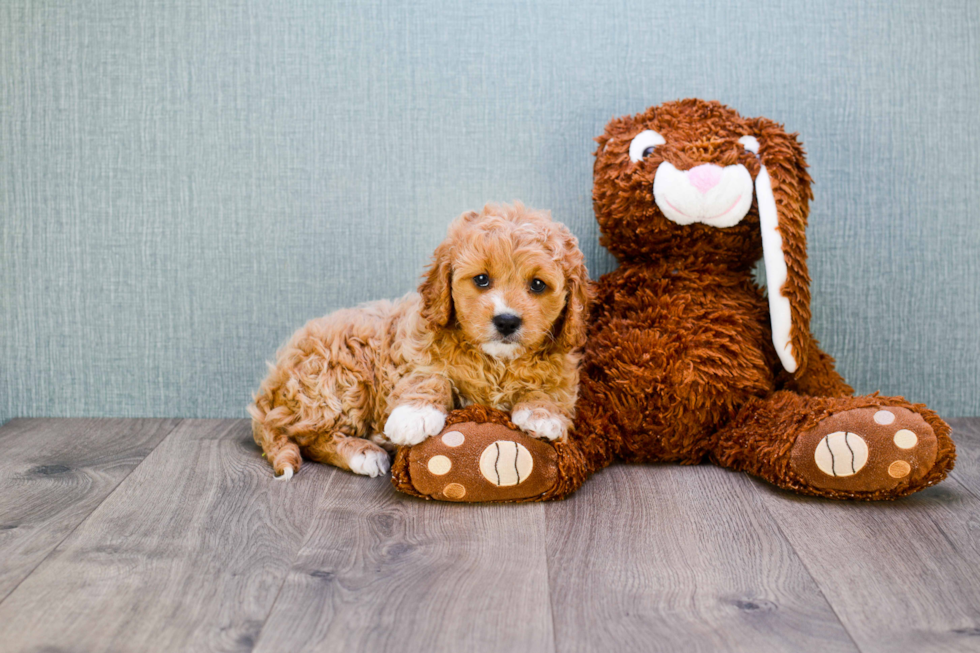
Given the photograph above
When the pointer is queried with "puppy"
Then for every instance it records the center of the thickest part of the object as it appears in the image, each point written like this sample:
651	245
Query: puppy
498	320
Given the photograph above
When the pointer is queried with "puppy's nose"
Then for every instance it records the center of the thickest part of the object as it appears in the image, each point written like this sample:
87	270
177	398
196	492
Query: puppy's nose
506	323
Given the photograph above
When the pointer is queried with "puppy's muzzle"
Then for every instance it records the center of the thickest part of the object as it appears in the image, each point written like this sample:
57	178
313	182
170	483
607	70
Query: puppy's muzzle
506	324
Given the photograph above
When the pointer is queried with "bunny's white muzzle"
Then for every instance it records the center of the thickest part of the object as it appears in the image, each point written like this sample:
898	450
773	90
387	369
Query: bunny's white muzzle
714	195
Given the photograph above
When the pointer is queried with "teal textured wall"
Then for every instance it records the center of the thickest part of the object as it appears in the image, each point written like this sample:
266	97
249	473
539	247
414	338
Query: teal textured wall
184	183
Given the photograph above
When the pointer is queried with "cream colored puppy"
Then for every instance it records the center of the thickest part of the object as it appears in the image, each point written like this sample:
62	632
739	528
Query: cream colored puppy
498	320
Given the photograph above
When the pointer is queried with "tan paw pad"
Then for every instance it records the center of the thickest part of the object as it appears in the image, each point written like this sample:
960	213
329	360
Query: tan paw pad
905	439
453	438
884	417
841	454
439	465
506	463
899	469
454	491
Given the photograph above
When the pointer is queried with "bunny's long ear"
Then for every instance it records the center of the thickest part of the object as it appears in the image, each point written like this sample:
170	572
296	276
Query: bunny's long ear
782	189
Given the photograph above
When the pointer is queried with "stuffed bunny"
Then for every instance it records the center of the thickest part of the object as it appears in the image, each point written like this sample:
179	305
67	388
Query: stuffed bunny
687	359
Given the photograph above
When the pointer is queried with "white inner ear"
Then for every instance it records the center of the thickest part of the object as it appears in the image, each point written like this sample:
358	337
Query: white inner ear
776	273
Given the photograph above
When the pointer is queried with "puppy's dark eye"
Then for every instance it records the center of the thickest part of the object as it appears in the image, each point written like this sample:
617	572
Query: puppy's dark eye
482	281
538	286
647	152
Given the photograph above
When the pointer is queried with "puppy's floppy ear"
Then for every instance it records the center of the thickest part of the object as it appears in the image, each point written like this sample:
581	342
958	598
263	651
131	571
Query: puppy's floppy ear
436	288
573	322
783	193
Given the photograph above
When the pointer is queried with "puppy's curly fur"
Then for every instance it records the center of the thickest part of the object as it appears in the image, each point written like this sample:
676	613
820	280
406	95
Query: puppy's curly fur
351	385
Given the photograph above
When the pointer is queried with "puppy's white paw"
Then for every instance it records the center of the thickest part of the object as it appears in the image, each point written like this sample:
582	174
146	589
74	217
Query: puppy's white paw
408	425
286	474
370	463
539	423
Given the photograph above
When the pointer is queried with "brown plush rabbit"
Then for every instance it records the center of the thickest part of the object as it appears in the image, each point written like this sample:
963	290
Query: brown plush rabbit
687	359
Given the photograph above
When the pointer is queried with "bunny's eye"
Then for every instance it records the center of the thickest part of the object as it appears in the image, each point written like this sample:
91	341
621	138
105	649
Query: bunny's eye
643	145
751	143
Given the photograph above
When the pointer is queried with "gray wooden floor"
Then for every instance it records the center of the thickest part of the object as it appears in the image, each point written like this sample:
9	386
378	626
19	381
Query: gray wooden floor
170	535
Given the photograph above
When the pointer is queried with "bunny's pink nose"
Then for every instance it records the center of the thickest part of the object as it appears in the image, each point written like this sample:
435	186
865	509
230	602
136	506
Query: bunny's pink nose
704	177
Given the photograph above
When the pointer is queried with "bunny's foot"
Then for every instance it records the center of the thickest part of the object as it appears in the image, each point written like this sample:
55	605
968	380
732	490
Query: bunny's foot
477	462
886	450
868	447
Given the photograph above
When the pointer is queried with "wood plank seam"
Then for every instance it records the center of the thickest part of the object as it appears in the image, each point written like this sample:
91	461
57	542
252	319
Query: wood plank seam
963	485
310	528
89	515
186	555
547	569
965	441
779	527
900	576
384	570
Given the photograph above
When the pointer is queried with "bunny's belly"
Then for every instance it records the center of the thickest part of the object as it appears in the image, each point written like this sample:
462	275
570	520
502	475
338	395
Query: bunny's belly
673	366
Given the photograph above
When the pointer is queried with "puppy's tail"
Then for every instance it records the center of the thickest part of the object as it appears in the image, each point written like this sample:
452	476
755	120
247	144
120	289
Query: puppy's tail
268	429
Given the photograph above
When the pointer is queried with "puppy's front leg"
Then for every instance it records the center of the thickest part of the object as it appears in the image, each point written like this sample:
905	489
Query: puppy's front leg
420	407
542	417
